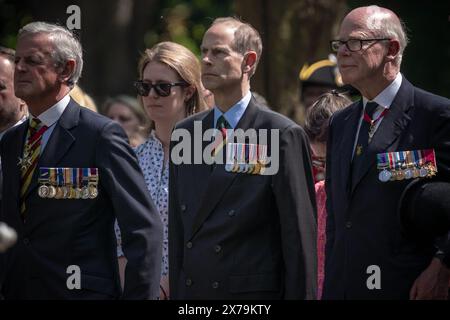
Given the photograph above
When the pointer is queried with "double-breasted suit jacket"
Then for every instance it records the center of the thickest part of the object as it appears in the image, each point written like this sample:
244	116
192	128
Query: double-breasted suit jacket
244	236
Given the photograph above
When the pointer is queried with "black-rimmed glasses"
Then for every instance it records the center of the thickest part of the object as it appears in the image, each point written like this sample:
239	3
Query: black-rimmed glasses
162	89
352	44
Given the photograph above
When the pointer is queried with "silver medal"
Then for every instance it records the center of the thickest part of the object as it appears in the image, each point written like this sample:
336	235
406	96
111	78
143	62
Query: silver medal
384	175
423	172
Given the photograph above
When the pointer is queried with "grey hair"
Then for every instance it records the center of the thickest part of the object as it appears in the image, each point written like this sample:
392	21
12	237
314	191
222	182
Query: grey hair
387	25
66	46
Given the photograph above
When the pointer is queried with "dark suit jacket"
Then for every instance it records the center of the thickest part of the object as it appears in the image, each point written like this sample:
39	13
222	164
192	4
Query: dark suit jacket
363	227
242	236
61	233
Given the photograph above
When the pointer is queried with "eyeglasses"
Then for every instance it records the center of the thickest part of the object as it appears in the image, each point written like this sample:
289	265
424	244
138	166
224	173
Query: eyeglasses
352	44
162	89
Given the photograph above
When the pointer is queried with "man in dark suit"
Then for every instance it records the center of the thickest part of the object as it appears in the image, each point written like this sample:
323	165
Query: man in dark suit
235	233
75	175
396	136
13	111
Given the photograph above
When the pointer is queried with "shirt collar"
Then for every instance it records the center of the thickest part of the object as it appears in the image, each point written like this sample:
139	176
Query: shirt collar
234	114
385	97
51	115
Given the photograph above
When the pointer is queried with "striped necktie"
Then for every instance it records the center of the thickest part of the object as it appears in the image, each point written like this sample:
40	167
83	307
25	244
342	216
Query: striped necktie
29	160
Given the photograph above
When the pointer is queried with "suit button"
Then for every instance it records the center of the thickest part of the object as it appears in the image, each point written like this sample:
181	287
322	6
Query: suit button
217	248
26	241
188	282
183	207
231	213
189	245
215	285
348	225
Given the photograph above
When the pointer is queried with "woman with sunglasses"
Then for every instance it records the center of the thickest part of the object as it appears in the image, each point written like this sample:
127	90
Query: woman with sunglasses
169	88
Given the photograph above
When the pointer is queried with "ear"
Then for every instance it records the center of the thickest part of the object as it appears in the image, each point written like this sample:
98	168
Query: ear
188	93
67	71
249	61
393	49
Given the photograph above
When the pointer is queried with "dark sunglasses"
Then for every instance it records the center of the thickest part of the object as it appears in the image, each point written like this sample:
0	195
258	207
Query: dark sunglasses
162	89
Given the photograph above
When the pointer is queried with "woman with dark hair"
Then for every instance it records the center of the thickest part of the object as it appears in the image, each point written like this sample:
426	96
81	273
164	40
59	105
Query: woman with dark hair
316	127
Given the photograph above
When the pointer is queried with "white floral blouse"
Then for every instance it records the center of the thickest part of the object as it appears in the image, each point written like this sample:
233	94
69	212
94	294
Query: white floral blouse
150	155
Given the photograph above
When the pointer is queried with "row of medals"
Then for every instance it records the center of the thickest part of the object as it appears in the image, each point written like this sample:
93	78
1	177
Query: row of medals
68	192
427	170
250	168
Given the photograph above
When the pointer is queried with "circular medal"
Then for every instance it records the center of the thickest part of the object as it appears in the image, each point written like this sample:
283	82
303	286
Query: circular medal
251	167
393	175
408	174
400	175
65	192
77	193
51	192
59	193
93	192
84	193
229	167
43	191
257	168
261	171
235	168
423	172
384	176
415	173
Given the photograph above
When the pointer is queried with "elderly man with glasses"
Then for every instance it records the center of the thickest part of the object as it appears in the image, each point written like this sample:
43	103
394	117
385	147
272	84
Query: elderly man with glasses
392	142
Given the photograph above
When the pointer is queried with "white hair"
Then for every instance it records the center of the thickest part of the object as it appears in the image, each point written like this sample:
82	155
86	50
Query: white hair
386	24
66	46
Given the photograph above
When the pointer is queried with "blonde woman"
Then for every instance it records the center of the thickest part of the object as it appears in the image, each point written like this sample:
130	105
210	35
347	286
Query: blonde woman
169	88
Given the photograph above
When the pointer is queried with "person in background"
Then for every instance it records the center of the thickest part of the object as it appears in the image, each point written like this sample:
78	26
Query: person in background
316	127
318	78
127	111
13	111
82	98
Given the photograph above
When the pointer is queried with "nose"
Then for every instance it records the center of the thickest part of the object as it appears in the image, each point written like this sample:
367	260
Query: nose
343	50
19	65
205	59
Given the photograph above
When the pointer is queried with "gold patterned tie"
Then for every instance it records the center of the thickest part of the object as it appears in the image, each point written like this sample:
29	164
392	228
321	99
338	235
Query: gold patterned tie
30	157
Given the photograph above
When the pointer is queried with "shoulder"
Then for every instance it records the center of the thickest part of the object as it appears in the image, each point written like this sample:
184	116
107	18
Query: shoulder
92	119
146	148
13	131
430	102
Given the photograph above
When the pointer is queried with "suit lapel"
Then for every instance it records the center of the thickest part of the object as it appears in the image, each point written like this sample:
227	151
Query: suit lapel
16	150
392	125
347	143
59	142
220	180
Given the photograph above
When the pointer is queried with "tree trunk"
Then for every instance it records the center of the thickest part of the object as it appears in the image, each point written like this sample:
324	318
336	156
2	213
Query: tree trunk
293	32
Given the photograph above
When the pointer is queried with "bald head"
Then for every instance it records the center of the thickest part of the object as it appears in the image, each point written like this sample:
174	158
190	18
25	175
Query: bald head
380	22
